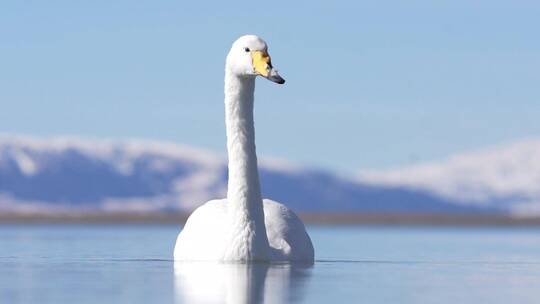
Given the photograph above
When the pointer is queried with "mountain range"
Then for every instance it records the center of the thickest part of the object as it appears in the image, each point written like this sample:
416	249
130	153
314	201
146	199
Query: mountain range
47	175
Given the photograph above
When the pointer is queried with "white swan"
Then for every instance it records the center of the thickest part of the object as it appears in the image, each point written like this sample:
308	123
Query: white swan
244	227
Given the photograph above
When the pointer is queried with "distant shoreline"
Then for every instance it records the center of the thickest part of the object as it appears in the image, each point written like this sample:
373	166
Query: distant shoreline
392	219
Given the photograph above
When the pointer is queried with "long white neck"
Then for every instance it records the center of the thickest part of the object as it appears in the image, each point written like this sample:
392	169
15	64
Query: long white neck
249	239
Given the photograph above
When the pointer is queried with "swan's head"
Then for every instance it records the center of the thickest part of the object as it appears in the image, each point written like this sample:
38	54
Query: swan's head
249	57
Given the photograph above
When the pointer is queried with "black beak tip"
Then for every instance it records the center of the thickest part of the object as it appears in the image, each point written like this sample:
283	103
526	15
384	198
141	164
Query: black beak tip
277	79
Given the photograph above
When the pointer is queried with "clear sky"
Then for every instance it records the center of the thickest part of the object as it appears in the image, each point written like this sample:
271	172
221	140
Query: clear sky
370	84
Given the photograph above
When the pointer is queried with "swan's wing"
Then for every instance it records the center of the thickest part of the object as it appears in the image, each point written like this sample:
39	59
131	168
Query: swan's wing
286	233
203	234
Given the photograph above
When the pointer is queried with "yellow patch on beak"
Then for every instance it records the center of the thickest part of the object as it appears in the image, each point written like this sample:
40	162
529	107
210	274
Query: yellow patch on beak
261	62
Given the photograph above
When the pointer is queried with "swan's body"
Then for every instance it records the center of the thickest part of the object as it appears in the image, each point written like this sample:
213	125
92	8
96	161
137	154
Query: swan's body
243	227
204	238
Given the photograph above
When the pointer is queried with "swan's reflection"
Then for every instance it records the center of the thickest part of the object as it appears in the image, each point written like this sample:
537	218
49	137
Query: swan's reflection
209	282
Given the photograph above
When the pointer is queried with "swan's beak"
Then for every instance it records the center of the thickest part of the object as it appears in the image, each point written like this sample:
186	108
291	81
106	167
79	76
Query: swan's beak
263	66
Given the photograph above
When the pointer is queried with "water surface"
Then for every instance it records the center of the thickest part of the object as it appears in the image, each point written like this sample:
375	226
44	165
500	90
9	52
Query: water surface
132	264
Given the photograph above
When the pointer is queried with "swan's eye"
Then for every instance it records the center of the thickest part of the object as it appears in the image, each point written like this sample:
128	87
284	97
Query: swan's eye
246	49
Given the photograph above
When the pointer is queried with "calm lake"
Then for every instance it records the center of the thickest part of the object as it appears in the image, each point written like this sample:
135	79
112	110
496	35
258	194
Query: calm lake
356	264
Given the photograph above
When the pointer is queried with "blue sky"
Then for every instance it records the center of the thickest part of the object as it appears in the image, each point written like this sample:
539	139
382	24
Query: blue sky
370	84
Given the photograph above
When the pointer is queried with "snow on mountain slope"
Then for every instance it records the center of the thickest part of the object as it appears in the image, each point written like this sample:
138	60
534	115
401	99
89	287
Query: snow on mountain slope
506	176
71	174
111	175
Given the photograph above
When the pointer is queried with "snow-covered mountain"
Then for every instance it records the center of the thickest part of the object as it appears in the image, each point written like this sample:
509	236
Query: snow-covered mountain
505	177
70	174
